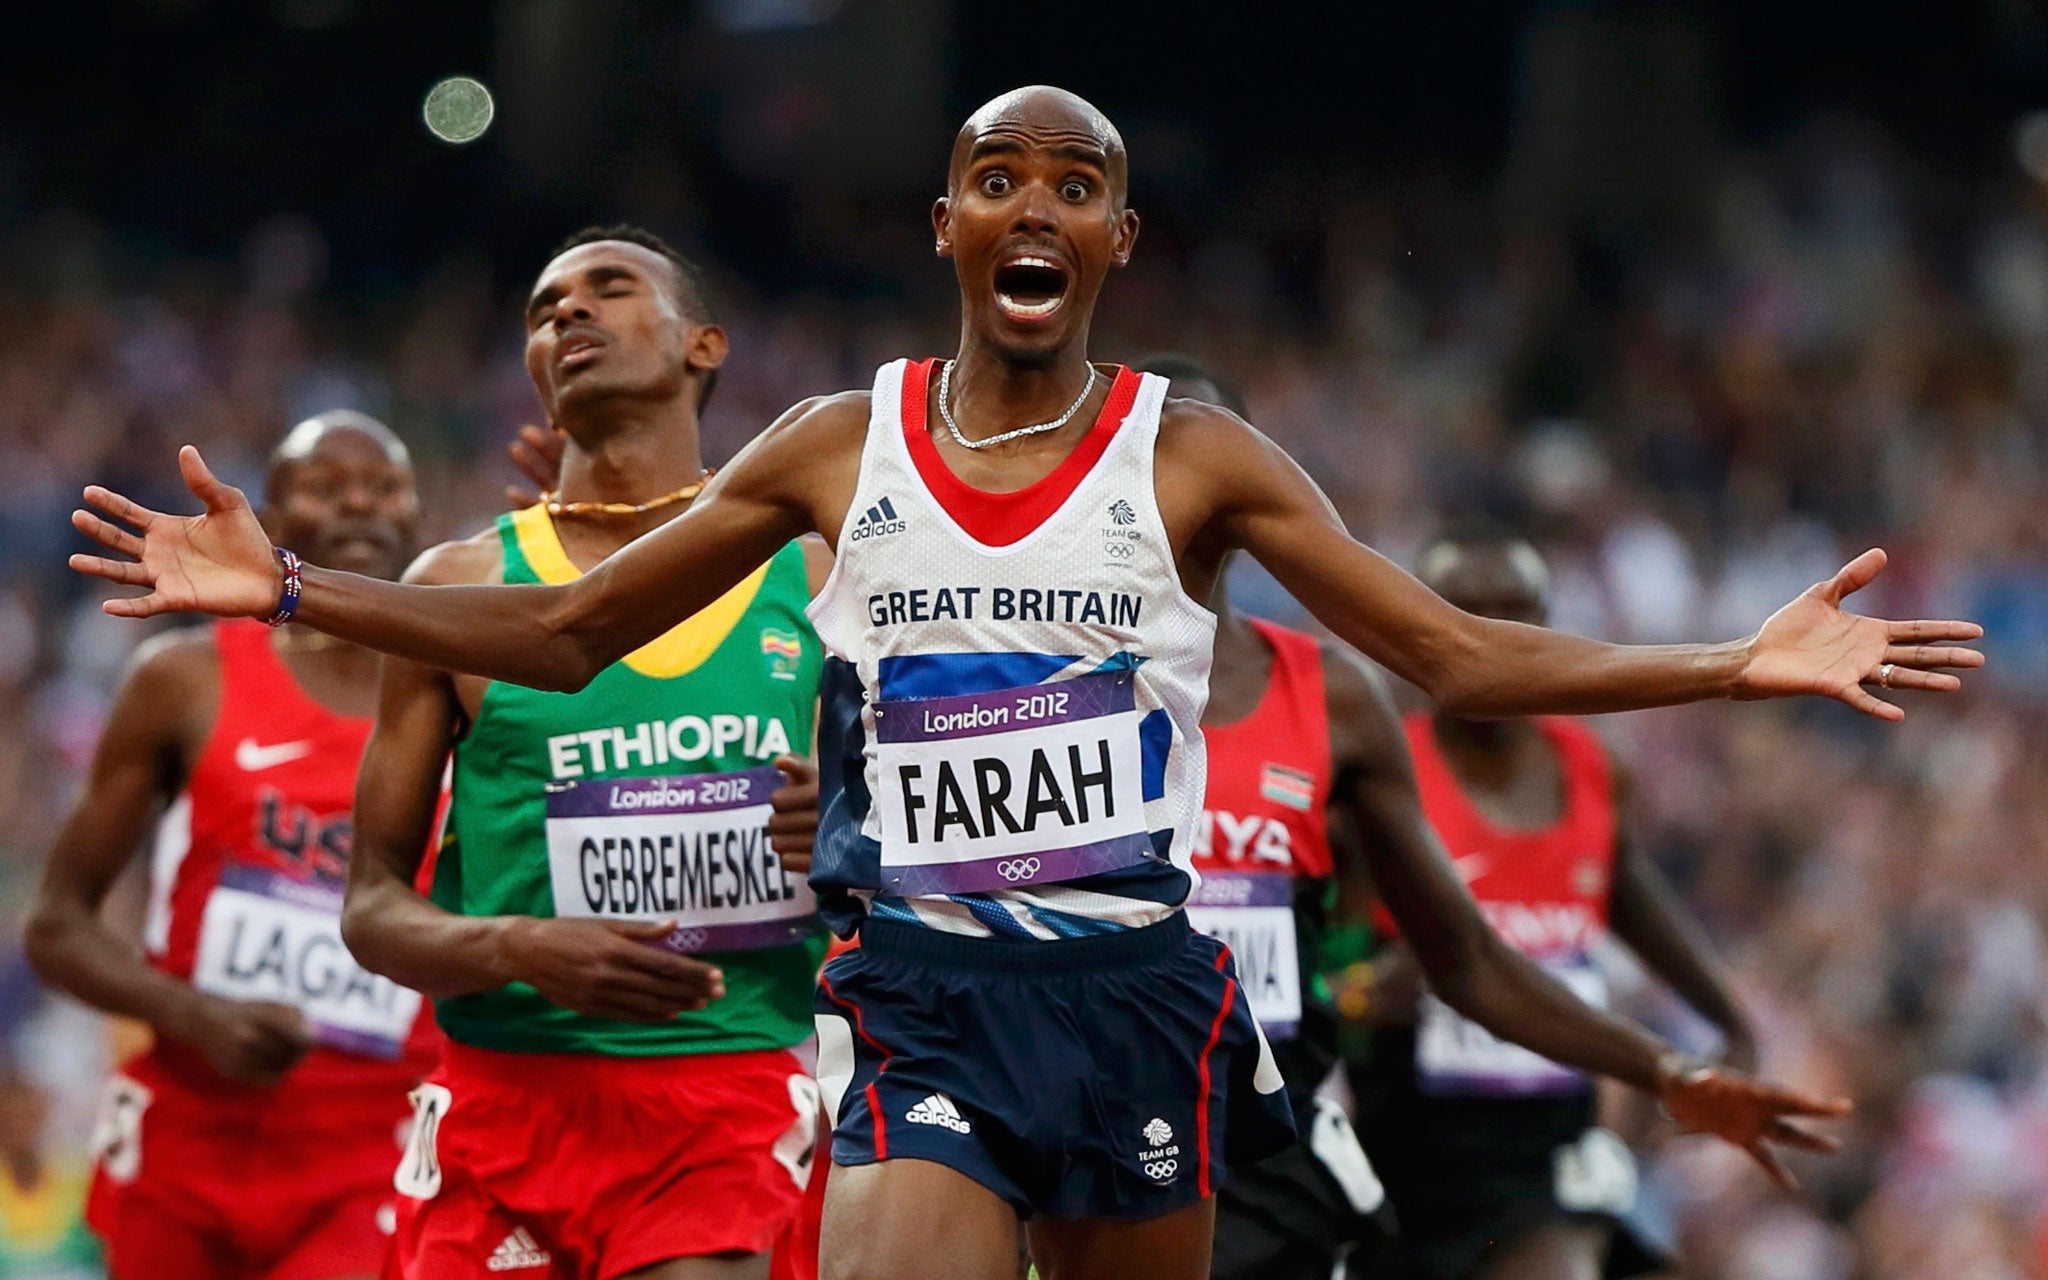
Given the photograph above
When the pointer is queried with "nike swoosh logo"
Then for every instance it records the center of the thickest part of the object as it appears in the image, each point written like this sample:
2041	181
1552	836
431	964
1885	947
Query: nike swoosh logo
1471	866
252	758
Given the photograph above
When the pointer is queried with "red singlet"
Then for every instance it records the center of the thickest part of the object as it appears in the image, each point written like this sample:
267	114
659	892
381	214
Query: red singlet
1263	827
246	879
1269	773
198	1175
1545	890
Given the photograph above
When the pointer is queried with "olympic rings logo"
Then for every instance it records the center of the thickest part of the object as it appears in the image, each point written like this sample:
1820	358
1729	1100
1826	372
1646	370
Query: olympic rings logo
1017	869
1161	1170
1119	550
687	939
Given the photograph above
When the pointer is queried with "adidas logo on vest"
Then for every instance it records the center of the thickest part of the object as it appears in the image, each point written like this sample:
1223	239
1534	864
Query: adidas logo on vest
517	1252
938	1109
877	521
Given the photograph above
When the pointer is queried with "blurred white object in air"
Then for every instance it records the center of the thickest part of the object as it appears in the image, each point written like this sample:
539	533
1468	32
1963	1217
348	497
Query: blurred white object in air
458	109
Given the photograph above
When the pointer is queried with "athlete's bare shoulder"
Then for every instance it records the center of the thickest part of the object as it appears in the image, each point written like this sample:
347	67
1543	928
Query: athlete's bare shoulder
183	661
181	650
170	693
1194	430
1210	461
479	558
823	431
807	462
840	417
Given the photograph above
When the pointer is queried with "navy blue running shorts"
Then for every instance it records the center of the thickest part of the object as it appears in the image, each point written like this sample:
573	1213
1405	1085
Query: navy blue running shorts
1109	1076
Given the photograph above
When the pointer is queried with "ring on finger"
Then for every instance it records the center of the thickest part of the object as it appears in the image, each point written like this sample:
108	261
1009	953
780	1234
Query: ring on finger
1884	676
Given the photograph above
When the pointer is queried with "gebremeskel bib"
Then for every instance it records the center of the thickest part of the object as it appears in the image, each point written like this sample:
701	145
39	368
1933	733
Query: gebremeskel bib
1023	685
267	936
1252	912
691	848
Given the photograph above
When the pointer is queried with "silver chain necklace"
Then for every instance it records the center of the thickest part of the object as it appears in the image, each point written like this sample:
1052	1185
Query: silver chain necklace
946	412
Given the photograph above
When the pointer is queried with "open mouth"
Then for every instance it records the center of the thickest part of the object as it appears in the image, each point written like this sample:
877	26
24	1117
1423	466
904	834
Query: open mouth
1030	287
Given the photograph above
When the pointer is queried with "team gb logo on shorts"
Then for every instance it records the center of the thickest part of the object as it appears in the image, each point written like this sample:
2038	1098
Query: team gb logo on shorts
1157	1159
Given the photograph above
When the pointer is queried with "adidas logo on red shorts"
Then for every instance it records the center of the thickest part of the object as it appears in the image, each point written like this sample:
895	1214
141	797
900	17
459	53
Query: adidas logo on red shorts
517	1252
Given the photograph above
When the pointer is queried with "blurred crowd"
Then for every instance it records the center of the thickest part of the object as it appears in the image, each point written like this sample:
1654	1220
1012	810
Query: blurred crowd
1695	427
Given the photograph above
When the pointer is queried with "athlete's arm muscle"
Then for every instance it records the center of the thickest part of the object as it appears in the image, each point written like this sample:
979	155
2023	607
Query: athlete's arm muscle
794	478
598	968
1226	485
1647	916
161	714
1467	964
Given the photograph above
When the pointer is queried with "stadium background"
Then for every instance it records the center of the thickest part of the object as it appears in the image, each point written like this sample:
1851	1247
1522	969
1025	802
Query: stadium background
1709	296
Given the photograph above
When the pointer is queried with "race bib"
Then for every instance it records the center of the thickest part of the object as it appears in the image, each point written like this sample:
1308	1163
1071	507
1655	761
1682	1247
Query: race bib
1456	1056
692	849
1020	786
266	936
1253	915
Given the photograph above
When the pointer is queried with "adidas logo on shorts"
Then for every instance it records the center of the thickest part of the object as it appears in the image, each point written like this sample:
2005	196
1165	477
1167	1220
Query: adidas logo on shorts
938	1109
517	1252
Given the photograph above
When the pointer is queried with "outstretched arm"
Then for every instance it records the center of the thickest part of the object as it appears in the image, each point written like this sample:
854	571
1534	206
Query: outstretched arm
1472	970
545	637
1246	492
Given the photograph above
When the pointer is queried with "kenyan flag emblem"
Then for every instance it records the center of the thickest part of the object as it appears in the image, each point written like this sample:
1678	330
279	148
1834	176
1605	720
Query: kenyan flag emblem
1290	787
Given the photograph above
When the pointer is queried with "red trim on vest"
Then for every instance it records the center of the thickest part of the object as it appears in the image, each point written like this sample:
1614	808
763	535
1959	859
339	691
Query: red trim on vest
1258	765
1000	519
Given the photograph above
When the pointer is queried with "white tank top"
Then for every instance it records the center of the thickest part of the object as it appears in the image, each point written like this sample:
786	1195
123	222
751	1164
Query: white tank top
1031	677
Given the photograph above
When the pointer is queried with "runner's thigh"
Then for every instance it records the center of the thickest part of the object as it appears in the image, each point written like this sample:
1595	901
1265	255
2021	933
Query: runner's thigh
914	1220
1174	1246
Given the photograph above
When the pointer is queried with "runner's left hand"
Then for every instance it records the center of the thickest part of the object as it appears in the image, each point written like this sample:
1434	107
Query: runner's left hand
793	826
537	452
1814	645
1744	1112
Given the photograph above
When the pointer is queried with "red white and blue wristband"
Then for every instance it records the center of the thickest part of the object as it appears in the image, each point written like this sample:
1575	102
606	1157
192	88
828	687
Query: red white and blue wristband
294	583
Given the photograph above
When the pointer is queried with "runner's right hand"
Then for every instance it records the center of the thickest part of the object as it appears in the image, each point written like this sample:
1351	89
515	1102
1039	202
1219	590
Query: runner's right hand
219	563
793	826
608	969
248	1041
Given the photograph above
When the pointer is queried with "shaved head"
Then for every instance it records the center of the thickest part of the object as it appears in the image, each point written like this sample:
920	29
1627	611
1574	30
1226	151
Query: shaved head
340	492
302	441
1043	111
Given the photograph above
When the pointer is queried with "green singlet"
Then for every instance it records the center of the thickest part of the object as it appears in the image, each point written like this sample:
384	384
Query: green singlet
541	823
